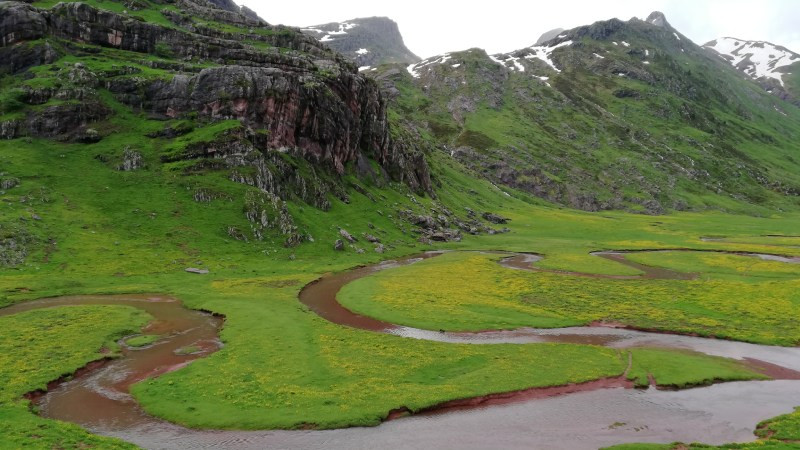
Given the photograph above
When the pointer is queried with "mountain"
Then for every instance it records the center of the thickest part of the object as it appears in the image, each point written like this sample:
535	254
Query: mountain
775	67
546	36
614	115
368	41
204	93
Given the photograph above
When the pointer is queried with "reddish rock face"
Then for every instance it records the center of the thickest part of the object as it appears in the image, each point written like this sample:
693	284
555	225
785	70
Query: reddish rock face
310	99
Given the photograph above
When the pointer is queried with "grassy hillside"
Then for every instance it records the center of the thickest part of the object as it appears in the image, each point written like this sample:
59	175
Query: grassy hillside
634	117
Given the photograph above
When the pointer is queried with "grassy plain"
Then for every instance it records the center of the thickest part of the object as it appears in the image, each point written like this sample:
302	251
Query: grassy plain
466	291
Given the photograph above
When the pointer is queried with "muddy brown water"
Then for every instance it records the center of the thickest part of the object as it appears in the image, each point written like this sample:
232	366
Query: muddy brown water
100	399
585	418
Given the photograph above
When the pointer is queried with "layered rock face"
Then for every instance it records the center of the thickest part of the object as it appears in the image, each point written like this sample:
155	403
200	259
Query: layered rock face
301	95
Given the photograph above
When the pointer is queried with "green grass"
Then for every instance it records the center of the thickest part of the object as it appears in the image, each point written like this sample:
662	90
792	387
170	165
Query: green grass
785	427
105	231
467	291
119	232
142	340
42	345
675	369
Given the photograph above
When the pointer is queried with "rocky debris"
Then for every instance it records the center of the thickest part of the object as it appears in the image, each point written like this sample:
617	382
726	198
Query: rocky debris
494	218
237	234
131	160
203	195
380	248
347	236
14	243
444	235
10	129
196	270
338	245
422	221
8	183
371	238
267	211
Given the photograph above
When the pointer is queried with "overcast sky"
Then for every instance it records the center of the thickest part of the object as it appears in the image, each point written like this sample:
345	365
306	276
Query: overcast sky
432	27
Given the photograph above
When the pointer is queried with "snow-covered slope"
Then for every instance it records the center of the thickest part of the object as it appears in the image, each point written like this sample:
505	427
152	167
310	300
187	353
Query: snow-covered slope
758	59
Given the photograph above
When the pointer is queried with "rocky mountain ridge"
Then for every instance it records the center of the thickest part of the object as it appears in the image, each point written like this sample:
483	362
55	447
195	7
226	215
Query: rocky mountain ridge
772	66
369	41
589	119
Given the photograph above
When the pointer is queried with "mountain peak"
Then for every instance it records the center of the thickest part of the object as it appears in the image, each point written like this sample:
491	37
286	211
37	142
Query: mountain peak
658	19
369	41
546	36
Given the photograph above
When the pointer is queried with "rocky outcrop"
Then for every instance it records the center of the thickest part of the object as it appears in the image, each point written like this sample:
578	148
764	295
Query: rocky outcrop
131	160
370	41
298	94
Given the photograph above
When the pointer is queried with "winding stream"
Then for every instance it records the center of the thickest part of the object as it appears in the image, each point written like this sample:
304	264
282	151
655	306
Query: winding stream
99	400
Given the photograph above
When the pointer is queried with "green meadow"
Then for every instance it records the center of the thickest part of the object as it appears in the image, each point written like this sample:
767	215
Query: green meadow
92	229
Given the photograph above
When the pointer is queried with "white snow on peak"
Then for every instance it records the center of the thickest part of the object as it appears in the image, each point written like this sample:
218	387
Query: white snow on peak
626	44
363	68
561	36
456	66
755	58
343	27
313	30
676	36
362	51
326	38
413	69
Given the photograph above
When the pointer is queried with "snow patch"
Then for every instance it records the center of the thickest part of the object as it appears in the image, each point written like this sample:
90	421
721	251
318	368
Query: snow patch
626	44
413	69
598	56
456	66
343	27
676	36
543	53
755	58
776	109
326	38
363	68
646	62
362	51
615	43
646	52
